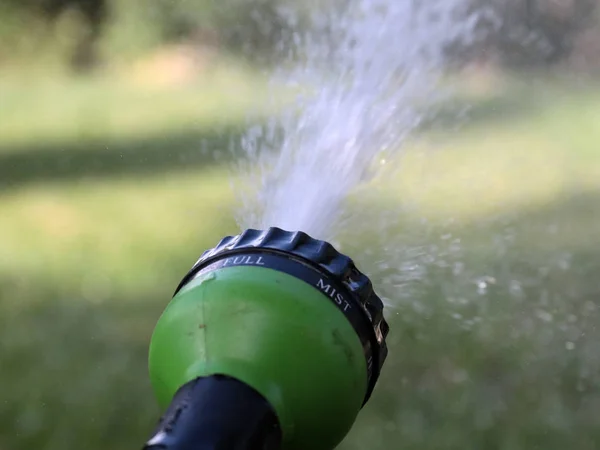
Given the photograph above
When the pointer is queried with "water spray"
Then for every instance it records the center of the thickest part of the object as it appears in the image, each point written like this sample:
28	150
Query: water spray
274	340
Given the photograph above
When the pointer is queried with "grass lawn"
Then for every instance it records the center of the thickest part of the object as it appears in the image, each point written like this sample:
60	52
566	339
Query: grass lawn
106	199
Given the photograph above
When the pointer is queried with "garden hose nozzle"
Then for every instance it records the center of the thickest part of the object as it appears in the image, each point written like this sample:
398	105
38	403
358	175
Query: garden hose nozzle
274	340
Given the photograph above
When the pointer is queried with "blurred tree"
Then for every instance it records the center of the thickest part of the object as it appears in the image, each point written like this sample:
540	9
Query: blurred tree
93	14
529	33
259	30
262	31
526	32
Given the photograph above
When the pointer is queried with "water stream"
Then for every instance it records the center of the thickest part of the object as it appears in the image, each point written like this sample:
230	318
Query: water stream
369	74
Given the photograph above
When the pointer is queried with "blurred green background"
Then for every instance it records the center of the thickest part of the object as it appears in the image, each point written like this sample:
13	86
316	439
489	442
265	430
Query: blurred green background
116	121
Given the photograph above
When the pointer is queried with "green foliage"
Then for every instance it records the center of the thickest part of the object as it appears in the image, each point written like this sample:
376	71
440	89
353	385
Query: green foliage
259	30
531	33
85	19
523	33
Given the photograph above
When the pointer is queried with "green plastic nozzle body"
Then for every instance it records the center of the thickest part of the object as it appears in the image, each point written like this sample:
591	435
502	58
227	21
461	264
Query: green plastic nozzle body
286	338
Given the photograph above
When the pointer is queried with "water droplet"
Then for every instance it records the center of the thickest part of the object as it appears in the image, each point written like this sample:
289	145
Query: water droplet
482	287
208	277
468	325
158	439
570	345
515	289
458	269
565	262
460	376
544	316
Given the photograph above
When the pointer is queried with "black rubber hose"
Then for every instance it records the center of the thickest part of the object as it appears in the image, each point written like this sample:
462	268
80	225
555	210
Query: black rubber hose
217	413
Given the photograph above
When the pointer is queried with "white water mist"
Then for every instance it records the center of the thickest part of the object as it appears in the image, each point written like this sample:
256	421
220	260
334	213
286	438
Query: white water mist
366	84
